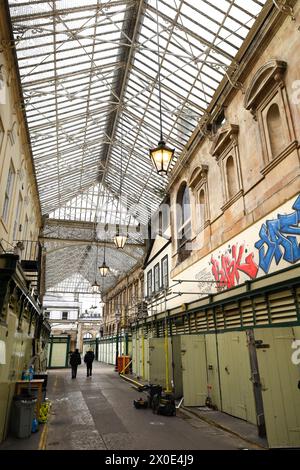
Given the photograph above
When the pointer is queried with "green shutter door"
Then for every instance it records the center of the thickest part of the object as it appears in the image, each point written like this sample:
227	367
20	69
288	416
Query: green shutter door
194	373
279	379
235	376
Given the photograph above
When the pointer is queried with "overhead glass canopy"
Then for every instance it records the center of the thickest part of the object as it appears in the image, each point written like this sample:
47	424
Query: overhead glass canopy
89	73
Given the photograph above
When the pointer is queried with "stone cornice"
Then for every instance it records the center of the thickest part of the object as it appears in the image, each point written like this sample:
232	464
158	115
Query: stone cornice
199	176
9	51
263	82
225	138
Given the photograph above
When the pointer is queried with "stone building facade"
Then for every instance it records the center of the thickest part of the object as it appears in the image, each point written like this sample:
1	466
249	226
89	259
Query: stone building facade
233	308
125	298
244	162
24	331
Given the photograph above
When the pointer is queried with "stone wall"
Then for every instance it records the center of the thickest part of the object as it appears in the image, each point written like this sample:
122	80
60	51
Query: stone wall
264	148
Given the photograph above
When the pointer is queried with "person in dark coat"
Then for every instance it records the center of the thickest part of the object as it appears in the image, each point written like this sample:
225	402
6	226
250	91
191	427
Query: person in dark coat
75	361
88	359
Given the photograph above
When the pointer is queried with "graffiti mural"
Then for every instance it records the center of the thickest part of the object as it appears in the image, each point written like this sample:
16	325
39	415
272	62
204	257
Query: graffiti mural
269	245
227	269
278	239
206	285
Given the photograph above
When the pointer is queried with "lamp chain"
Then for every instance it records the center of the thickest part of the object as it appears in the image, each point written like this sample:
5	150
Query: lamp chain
159	78
121	180
105	234
96	260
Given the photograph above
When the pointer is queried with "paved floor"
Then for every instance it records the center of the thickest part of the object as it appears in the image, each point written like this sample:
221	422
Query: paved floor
98	413
237	426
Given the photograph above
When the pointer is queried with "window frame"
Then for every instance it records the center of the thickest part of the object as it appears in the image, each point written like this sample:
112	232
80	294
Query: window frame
231	177
87	335
18	218
149	284
184	227
156	283
268	87
165	259
2	134
10	182
63	314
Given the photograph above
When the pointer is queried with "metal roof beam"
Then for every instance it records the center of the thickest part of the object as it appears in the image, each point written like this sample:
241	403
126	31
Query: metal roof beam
133	19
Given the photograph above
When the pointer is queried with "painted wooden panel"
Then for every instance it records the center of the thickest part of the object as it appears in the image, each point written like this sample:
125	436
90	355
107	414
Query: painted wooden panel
235	374
213	370
18	352
143	357
134	354
194	372
177	366
279	379
157	361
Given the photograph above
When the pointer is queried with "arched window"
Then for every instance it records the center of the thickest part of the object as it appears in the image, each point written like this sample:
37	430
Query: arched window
87	336
231	177
160	223
184	226
275	130
202	208
164	218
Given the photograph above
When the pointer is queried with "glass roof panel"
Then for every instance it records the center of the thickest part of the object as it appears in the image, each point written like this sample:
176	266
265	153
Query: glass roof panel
89	74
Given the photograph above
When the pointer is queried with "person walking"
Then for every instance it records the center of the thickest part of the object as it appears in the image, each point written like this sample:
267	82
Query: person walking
88	359
75	361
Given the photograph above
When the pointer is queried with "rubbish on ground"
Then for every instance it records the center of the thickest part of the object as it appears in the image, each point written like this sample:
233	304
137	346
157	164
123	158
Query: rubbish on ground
44	411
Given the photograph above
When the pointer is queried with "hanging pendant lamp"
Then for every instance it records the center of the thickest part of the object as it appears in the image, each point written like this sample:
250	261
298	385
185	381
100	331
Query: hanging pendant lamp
95	286
104	269
119	239
161	156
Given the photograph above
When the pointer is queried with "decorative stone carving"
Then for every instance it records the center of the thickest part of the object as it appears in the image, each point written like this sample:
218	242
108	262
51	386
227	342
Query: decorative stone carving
265	81
225	149
226	138
267	99
199	177
198	184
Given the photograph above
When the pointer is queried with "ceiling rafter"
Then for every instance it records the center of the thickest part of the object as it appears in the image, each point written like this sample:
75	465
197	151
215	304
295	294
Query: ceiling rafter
89	74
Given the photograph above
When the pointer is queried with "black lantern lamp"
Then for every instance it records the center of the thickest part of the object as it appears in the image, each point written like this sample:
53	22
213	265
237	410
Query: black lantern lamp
161	156
104	269
120	239
95	286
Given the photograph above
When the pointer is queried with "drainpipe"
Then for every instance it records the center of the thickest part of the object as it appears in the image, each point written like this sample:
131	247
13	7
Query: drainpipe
218	360
168	388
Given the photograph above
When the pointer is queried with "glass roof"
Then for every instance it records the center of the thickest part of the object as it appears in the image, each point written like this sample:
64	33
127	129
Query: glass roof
96	204
75	268
89	75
